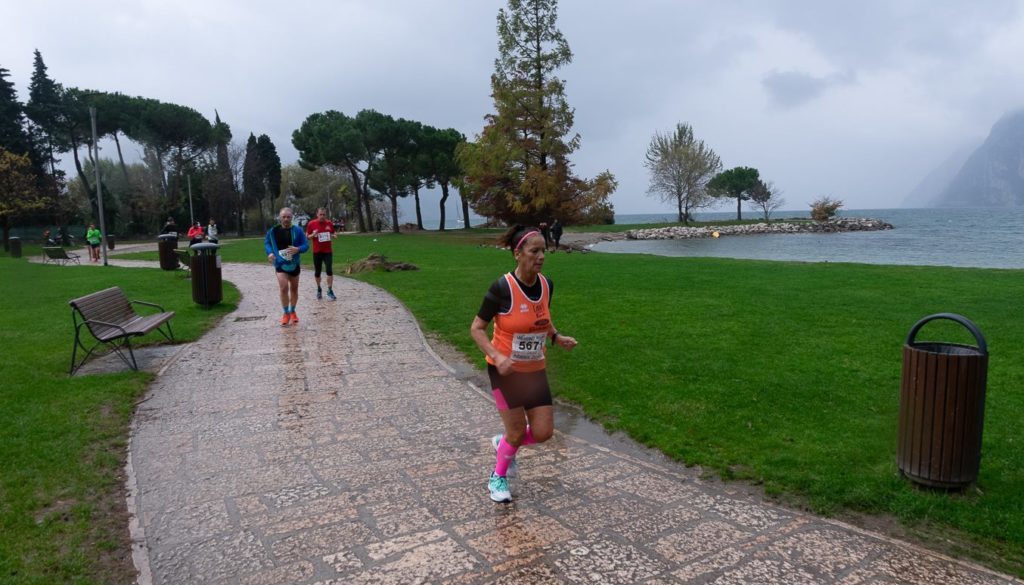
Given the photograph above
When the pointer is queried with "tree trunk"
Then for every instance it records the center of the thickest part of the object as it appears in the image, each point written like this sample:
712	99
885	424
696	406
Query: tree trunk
465	211
393	196
739	216
679	204
366	200
419	216
78	167
364	226
444	197
161	170
241	216
124	168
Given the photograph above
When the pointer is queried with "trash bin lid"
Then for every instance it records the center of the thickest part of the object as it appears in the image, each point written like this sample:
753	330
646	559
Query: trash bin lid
943	348
209	248
172	236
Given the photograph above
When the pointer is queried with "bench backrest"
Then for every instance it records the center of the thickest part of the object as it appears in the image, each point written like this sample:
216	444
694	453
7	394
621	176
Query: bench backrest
108	305
56	253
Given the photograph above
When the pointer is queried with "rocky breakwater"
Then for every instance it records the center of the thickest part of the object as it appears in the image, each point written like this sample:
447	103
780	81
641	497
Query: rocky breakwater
834	225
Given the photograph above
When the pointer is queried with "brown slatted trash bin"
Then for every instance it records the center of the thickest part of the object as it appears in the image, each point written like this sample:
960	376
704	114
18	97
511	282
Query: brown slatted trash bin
942	408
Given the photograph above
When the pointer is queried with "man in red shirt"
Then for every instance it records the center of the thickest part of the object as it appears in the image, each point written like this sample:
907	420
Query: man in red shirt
320	231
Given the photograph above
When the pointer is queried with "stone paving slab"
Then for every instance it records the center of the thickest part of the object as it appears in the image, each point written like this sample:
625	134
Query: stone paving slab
342	451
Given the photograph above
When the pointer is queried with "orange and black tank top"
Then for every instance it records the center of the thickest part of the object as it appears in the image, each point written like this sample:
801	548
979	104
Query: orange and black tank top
522	331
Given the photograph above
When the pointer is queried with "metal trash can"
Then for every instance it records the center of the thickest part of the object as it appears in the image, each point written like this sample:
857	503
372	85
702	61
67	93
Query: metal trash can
942	408
168	244
14	243
207	289
110	241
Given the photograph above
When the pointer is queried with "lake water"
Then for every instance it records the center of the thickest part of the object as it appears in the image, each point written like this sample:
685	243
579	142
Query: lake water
985	238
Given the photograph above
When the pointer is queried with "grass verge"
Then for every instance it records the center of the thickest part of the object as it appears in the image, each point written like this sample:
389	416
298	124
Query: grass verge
63	440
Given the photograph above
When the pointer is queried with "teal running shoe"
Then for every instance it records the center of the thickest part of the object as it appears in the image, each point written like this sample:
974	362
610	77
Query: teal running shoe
330	295
498	486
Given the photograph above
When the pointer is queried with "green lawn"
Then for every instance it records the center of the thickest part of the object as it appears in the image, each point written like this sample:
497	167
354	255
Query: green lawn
63	440
784	374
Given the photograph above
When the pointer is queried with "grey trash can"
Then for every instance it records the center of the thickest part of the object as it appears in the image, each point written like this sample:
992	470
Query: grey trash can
110	241
207	289
168	243
942	408
14	243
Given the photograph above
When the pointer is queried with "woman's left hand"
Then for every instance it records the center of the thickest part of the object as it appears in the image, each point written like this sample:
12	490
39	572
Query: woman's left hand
567	342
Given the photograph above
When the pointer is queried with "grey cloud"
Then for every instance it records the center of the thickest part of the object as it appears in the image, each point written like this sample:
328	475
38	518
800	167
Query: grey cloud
789	89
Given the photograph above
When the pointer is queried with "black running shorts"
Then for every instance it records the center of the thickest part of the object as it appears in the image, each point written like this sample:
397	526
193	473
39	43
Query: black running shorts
520	389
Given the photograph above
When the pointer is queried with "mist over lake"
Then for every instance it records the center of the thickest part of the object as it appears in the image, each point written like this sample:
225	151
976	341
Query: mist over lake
982	238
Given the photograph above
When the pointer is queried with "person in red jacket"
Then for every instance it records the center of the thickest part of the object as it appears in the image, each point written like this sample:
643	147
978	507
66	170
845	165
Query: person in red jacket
321	231
195	234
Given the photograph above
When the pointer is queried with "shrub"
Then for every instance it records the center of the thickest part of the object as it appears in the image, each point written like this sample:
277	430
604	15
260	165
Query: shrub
824	208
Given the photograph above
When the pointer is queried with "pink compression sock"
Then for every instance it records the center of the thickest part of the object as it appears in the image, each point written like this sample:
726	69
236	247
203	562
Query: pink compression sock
528	437
505	455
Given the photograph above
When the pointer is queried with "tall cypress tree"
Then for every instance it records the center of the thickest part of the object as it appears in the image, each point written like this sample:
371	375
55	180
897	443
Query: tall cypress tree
270	165
224	196
252	176
13	136
44	108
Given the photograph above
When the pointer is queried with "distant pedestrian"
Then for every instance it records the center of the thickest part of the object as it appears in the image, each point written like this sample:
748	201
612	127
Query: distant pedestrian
546	232
211	232
519	304
63	237
170	227
321	231
195	234
556	232
284	243
94	237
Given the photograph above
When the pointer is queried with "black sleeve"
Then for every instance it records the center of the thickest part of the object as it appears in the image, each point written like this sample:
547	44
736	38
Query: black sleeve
497	300
551	290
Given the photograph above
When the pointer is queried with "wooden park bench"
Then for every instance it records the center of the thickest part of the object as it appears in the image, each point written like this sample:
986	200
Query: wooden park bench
111	319
59	255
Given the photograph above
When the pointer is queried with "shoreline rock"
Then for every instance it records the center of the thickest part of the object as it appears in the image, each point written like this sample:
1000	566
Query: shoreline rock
834	225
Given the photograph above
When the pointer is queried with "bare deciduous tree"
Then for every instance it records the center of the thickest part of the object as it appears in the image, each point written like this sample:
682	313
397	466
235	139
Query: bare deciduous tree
766	198
680	168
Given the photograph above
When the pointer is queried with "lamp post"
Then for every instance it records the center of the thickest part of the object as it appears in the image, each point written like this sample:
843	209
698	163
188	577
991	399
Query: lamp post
99	186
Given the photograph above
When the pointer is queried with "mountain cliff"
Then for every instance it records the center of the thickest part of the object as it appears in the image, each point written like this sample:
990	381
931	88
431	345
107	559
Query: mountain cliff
993	176
934	183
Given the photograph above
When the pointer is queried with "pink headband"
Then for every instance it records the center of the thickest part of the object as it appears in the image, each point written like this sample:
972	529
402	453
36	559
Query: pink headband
523	239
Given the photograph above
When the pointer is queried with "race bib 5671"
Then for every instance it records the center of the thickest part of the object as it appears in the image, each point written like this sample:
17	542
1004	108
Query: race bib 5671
528	347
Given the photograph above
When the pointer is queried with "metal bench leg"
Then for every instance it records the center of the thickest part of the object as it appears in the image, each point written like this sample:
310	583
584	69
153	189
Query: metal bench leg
116	347
168	335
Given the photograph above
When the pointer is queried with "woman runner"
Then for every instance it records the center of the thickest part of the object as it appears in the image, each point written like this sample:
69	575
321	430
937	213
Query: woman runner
519	303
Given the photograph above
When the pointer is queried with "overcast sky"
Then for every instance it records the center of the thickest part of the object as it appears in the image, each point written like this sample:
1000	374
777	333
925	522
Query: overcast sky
854	100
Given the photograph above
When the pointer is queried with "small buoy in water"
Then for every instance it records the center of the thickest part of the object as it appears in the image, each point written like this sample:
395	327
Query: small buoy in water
715	234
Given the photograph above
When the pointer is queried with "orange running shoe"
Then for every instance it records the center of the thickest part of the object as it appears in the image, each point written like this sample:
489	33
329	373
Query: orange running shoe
285	319
295	317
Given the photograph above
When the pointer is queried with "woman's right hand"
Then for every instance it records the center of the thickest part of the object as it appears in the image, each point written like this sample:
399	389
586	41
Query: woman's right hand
504	365
270	258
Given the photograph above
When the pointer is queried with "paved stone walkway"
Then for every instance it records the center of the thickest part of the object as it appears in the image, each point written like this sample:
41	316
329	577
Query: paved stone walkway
343	451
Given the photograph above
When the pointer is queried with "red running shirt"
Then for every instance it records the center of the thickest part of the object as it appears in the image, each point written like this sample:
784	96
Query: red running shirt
313	230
